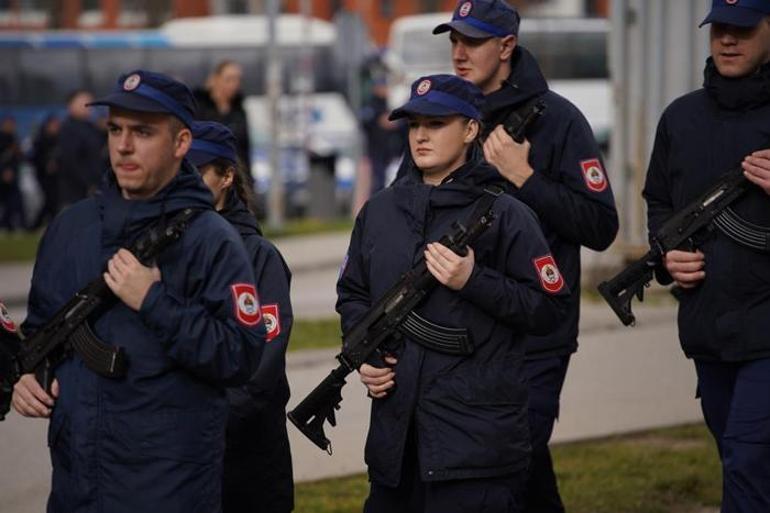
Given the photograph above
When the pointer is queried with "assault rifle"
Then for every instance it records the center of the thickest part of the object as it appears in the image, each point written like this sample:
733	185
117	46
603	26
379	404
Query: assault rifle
394	310
69	328
687	229
9	349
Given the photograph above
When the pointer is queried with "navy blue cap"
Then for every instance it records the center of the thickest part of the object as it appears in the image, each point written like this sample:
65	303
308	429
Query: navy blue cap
211	141
146	91
482	19
442	95
741	13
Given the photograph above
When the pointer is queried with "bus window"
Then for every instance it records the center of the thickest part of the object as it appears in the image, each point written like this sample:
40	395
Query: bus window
50	75
569	55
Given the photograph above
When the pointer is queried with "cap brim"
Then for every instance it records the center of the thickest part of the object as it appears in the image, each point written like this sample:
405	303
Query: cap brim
421	106
738	16
463	28
129	101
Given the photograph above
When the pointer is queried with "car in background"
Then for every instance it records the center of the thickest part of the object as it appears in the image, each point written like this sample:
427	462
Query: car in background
572	53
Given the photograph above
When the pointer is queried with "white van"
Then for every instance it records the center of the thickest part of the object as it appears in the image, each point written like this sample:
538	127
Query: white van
572	53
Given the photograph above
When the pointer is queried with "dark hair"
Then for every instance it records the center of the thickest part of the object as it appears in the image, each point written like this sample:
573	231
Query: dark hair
221	65
74	94
241	182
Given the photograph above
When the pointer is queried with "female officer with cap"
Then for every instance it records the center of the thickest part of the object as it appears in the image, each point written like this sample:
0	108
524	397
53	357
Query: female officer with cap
257	472
452	436
724	299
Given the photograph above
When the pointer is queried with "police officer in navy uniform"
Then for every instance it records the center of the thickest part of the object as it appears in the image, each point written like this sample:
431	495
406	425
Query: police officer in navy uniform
190	325
724	285
558	172
258	471
452	435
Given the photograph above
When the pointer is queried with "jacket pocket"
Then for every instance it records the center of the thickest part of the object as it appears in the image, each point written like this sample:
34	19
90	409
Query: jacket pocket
475	418
189	435
59	441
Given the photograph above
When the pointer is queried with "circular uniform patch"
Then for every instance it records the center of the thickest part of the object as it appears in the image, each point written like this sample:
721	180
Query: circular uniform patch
549	274
731	2
272	321
132	82
423	87
465	9
247	309
593	174
5	319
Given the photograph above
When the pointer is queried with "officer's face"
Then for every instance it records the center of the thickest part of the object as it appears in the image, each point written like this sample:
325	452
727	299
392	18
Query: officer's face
145	150
439	144
481	60
740	51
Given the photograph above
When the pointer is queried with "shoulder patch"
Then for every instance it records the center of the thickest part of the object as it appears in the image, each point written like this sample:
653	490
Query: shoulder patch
550	277
270	314
246	302
5	319
594	175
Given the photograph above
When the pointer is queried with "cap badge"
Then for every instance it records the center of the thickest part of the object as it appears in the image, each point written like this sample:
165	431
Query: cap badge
465	9
731	2
132	82
423	87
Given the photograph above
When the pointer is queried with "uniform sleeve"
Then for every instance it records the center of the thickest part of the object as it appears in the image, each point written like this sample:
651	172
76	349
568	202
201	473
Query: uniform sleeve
576	201
219	334
273	282
353	293
39	302
525	288
657	191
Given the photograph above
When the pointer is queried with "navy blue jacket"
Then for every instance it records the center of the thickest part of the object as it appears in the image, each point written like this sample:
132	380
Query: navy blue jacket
469	413
154	440
572	199
268	387
701	136
80	156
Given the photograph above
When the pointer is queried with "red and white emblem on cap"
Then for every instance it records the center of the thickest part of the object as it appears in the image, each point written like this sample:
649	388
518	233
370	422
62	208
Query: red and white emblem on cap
247	309
5	320
731	2
550	276
593	174
272	321
465	9
132	82
423	87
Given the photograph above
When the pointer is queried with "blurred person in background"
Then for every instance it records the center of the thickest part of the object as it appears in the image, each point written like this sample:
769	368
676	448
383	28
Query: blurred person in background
43	158
258	470
384	138
723	286
221	100
11	200
80	154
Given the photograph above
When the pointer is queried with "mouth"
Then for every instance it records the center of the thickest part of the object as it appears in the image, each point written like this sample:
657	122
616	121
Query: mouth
128	168
422	151
726	55
463	71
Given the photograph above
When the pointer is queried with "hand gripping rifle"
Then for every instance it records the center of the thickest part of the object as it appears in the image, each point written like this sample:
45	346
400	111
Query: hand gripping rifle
69	328
392	312
687	229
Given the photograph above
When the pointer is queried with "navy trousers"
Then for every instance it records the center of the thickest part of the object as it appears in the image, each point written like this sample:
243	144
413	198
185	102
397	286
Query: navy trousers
735	398
545	377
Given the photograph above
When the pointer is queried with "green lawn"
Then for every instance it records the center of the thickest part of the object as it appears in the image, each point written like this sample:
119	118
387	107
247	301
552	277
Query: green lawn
672	470
315	334
22	246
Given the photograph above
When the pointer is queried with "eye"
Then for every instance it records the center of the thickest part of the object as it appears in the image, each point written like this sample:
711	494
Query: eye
436	123
413	125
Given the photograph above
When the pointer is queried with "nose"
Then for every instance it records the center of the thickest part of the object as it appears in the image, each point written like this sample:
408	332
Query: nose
125	142
421	134
458	52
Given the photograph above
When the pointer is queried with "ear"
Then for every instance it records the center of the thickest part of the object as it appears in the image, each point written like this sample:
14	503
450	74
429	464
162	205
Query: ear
507	46
228	178
471	131
182	143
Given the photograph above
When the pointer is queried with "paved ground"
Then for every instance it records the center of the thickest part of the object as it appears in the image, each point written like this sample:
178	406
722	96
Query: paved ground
621	380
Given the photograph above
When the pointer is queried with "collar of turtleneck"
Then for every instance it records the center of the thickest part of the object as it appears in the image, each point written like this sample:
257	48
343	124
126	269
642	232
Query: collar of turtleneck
738	94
